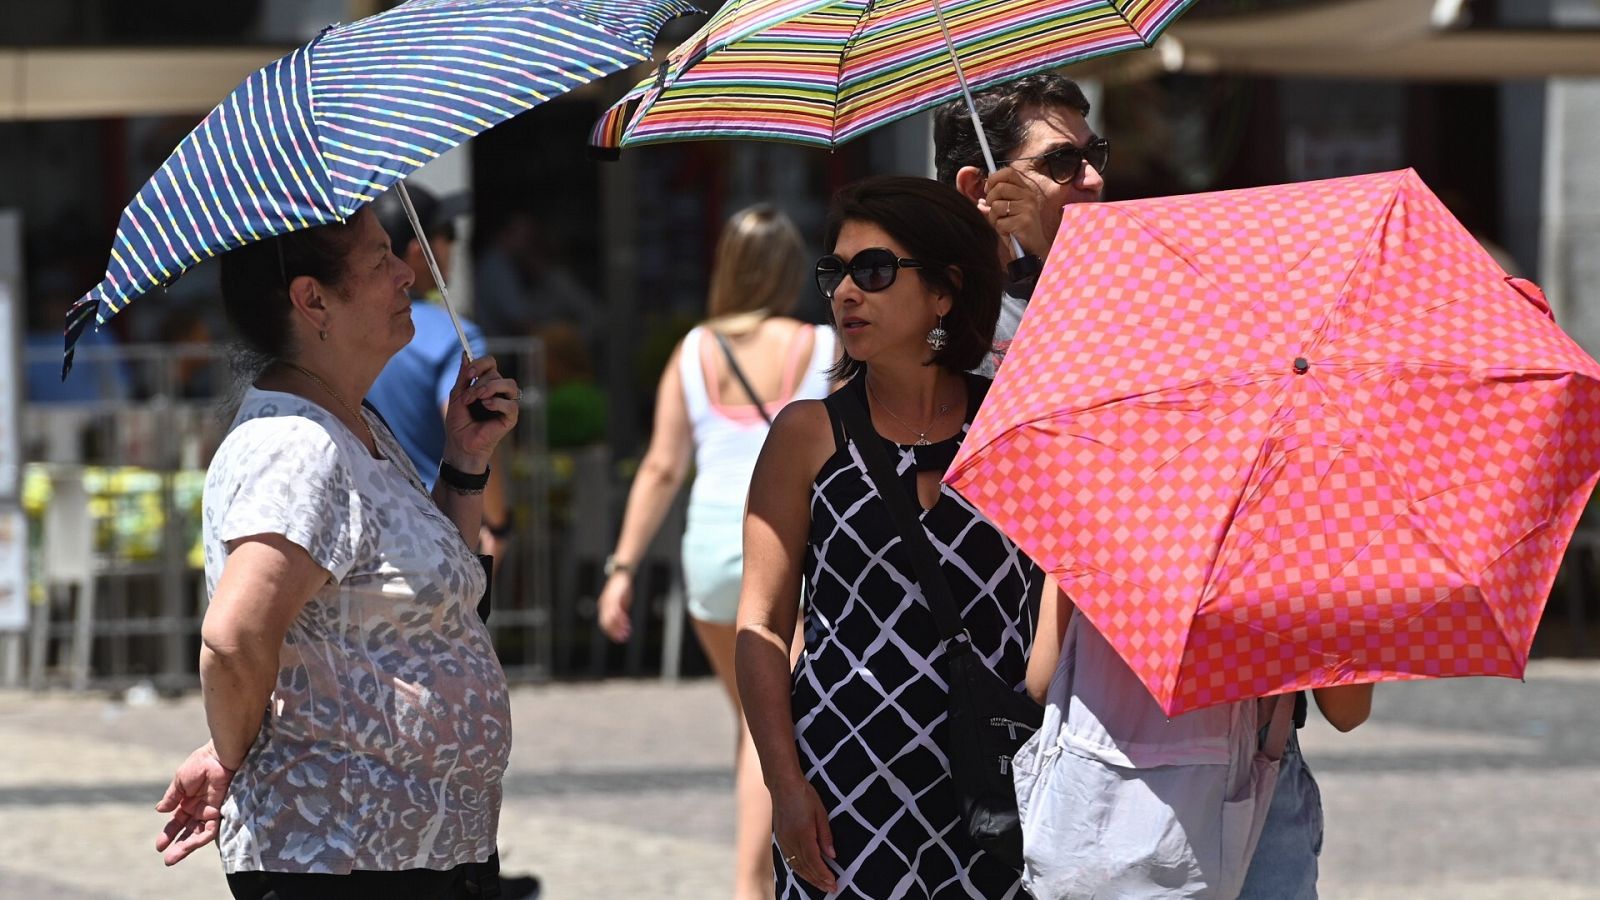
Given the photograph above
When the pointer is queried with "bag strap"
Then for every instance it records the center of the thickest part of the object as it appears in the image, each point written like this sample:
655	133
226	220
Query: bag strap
738	373
1282	724
858	425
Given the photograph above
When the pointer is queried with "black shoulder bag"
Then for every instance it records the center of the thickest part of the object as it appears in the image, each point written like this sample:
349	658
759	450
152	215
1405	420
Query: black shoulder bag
738	373
988	721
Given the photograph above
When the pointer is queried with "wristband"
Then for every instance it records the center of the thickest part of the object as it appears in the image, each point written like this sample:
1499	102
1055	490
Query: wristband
462	482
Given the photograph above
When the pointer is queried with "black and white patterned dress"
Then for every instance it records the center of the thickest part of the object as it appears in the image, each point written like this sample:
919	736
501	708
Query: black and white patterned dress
869	692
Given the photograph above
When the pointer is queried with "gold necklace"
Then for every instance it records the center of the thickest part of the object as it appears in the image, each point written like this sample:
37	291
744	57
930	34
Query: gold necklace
335	395
922	435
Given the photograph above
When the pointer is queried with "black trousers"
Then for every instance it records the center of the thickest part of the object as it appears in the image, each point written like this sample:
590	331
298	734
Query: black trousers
470	881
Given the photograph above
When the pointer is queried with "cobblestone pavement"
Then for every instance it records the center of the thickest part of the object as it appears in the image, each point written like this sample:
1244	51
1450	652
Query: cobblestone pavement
1467	790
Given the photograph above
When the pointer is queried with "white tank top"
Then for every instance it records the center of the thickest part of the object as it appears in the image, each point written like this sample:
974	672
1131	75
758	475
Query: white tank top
729	431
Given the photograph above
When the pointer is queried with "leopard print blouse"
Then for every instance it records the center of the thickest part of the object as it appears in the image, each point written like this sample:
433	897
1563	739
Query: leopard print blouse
388	730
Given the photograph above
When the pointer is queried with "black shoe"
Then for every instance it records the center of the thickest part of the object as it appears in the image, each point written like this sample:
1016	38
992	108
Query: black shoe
519	887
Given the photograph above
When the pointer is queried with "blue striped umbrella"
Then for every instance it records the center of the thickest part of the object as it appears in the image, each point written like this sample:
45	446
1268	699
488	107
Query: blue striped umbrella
313	137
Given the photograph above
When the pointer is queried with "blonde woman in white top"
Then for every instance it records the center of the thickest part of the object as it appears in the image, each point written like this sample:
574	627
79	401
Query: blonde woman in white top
705	415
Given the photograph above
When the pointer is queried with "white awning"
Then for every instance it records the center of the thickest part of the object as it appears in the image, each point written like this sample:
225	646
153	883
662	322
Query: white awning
92	83
88	83
1379	39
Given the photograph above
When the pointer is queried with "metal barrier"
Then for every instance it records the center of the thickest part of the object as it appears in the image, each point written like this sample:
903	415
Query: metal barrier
113	488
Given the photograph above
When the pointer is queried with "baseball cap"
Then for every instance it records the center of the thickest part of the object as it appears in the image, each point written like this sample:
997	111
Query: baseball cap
437	215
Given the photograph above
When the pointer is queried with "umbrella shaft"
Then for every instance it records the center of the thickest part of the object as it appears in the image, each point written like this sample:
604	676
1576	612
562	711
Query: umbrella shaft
972	108
433	265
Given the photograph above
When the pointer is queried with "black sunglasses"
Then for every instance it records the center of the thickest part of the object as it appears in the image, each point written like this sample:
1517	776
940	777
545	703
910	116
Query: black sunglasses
1064	163
873	269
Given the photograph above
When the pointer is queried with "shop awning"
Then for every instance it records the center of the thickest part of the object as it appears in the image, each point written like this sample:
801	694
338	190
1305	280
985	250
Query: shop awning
60	83
1380	39
92	83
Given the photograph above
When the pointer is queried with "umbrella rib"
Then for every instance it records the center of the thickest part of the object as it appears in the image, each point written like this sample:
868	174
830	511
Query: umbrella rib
1495	610
1158	27
838	75
1249	487
1380	463
1380	224
1165	240
311	128
1066	413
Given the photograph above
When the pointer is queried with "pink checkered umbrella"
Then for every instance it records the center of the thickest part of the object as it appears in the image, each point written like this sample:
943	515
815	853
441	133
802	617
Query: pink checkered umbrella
1290	437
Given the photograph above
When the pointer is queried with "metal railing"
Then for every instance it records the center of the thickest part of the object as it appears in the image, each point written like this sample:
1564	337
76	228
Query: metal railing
112	486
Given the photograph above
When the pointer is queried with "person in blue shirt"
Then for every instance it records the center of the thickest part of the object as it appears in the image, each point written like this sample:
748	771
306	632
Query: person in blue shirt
102	374
413	389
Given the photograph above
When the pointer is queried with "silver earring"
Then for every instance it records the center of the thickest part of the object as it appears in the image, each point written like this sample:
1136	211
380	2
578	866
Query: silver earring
322	335
938	337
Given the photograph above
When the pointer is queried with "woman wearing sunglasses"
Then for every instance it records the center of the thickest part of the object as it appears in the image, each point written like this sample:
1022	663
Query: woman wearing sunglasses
852	746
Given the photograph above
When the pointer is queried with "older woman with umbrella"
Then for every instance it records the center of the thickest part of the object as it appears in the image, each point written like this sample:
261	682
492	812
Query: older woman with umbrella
358	714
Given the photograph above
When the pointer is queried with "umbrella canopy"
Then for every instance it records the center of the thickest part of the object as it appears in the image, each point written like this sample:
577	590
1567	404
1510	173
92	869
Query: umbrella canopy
314	136
822	73
1289	437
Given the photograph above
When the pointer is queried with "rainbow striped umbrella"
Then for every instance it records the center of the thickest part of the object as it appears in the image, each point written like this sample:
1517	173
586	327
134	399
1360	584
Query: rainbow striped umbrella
314	136
822	72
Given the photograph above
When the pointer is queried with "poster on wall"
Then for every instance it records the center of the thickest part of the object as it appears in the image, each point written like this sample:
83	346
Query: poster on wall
13	523
13	568
11	318
10	397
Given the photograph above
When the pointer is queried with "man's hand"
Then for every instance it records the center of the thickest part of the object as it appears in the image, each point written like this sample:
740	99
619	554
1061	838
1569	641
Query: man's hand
1012	204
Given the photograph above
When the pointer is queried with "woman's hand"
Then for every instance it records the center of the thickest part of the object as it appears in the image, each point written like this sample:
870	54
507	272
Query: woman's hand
468	441
616	601
800	825
195	800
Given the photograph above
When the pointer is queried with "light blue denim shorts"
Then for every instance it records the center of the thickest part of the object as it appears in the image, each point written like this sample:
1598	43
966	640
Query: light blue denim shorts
1285	864
713	561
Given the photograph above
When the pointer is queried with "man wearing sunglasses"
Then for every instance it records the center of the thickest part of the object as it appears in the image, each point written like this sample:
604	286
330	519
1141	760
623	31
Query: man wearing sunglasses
1048	156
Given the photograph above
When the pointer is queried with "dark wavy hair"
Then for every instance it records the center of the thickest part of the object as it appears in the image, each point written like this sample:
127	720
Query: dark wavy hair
256	277
944	230
955	142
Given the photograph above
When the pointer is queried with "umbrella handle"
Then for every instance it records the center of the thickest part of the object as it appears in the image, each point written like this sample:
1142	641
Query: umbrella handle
972	109
476	409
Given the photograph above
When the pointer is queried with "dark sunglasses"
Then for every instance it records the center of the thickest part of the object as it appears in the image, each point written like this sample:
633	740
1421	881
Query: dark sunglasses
1064	163
873	269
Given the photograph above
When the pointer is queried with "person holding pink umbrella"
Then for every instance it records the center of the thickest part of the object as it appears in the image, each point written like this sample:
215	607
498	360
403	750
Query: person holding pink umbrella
1301	437
1050	157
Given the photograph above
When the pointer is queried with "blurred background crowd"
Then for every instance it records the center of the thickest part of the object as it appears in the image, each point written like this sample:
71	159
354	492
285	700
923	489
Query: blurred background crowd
584	274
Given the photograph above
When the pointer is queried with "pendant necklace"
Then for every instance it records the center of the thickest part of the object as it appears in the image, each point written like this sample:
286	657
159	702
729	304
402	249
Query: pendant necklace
335	395
922	433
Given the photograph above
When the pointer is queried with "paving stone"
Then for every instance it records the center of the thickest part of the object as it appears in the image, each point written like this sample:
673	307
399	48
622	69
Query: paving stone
1474	789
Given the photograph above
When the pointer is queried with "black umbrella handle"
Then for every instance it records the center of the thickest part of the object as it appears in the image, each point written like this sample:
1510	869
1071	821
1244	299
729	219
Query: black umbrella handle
1024	268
